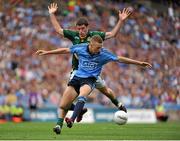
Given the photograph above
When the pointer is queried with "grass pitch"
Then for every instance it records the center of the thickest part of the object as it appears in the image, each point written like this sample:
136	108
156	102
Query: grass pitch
96	131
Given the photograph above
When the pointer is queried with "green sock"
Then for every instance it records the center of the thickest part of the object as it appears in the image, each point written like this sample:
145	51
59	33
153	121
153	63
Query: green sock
60	121
115	102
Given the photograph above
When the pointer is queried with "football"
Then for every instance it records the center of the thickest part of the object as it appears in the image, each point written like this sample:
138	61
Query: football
120	117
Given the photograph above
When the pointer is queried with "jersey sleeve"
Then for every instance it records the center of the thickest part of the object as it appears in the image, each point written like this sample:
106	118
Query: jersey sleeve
109	56
69	34
101	34
78	48
74	49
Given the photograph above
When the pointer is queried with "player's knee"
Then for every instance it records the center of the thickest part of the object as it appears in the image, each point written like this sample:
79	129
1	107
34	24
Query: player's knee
82	99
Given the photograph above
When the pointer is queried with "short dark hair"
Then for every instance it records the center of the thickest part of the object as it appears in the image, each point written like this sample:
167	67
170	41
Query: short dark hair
82	21
97	38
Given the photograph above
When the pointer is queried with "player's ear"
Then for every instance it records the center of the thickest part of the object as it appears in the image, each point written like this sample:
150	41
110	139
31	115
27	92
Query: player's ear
91	44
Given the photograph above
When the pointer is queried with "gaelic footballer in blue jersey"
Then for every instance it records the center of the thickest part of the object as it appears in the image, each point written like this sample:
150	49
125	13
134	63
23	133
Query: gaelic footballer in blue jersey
92	57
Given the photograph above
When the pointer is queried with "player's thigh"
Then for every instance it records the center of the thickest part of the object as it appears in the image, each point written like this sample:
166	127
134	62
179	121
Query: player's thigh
87	85
100	83
68	97
85	90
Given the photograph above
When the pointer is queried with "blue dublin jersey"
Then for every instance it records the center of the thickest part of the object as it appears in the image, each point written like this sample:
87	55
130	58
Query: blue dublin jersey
90	65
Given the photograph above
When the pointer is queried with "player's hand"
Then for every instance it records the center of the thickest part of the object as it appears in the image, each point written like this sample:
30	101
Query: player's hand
146	65
125	13
41	52
52	8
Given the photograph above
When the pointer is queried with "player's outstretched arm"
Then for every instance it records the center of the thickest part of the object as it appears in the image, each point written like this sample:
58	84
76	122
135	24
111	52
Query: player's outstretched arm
135	62
56	51
52	9
122	17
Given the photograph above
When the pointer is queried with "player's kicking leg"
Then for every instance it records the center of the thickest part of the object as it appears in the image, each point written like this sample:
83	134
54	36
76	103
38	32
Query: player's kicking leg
100	85
80	116
86	86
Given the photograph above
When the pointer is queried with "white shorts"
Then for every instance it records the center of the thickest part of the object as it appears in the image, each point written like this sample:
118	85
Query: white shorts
100	83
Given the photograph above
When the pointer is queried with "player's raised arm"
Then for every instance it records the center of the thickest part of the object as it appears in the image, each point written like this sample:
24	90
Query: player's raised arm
56	51
122	17
52	9
135	62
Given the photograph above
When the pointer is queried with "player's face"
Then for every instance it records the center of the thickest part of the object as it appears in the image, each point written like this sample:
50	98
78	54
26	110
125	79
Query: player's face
83	30
95	47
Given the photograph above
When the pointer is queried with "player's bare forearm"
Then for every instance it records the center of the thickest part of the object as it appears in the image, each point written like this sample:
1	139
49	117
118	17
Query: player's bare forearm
55	24
128	60
60	51
115	30
56	51
135	62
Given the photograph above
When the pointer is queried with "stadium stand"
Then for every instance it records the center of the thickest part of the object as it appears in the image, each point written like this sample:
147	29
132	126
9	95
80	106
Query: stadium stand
149	34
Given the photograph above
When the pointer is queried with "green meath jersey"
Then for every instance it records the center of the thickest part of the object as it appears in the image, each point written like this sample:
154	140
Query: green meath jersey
75	39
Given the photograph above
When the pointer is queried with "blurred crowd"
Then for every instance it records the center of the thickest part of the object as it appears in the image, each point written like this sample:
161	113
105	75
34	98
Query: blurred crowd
27	80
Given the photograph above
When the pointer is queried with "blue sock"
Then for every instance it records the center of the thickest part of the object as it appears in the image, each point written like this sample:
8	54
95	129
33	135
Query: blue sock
79	106
60	121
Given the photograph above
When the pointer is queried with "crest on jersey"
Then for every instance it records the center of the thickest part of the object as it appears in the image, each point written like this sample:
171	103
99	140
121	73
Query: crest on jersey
89	65
76	37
